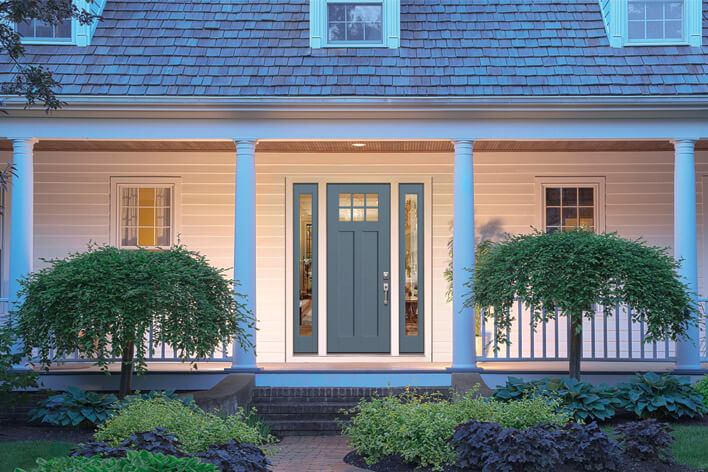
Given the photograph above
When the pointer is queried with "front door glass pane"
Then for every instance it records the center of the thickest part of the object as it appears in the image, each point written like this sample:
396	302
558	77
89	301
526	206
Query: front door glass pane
411	261
411	264
305	219
305	268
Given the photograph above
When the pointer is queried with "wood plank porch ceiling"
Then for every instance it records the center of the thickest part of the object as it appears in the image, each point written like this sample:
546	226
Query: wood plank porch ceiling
403	146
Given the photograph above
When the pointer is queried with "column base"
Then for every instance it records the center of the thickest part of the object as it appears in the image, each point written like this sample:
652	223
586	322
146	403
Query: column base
689	370
471	368
246	369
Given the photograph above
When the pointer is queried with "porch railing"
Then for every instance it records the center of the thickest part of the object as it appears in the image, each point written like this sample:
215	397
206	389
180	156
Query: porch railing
605	338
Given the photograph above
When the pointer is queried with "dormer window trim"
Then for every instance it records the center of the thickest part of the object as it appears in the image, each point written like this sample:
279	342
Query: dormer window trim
692	28
81	34
319	25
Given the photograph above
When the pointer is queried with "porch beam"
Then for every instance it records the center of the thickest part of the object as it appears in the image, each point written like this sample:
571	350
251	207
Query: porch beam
685	242
244	359
21	216
463	318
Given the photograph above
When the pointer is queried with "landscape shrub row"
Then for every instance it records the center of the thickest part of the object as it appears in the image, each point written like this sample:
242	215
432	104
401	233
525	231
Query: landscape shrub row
135	461
491	448
649	395
417	427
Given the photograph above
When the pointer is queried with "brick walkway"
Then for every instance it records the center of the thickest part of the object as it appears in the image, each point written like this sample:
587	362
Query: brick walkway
312	454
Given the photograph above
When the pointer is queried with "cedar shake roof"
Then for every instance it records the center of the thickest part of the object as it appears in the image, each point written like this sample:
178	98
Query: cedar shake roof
449	48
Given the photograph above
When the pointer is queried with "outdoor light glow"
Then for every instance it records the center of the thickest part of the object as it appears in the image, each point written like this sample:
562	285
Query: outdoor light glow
358	144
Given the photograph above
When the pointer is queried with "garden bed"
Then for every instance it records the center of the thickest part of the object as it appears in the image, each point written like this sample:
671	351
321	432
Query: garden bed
11	432
397	464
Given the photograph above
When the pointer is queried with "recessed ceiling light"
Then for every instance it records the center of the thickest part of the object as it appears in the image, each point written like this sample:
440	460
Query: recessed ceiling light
358	144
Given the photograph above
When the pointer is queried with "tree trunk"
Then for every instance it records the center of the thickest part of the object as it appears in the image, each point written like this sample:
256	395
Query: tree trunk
576	345
126	371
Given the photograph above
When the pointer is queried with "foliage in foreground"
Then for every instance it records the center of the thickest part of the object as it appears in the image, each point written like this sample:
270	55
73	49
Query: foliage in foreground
544	447
701	388
571	273
582	400
654	395
12	380
135	461
75	407
195	429
104	301
231	456
417	427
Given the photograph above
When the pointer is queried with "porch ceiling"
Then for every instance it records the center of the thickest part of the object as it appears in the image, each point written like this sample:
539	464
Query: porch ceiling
393	146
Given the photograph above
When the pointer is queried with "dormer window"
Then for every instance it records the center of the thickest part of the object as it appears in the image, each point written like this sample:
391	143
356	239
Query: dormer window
653	22
656	20
38	30
362	23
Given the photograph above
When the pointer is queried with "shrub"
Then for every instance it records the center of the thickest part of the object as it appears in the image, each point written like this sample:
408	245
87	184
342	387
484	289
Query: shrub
12	380
653	395
195	429
75	407
581	400
701	388
235	457
588	448
542	447
418	426
646	440
142	461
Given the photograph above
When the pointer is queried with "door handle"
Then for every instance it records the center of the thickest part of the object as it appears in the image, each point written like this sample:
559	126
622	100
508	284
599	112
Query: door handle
385	287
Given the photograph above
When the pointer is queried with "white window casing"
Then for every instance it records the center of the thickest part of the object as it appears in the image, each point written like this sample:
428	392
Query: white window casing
118	184
391	24
597	183
81	35
618	22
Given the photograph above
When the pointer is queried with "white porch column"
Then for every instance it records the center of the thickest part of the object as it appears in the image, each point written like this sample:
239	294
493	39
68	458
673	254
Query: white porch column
245	242
463	319
685	240
21	215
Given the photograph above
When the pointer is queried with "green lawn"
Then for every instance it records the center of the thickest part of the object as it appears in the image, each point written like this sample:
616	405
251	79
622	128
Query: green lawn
24	454
691	446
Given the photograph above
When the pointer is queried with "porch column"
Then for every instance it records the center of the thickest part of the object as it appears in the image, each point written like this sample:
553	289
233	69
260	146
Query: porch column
463	319
245	243
685	240
21	215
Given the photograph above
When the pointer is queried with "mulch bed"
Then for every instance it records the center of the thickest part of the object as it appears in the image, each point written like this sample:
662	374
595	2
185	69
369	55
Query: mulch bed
26	432
396	464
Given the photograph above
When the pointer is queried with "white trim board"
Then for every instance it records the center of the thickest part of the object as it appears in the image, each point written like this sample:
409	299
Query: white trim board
322	355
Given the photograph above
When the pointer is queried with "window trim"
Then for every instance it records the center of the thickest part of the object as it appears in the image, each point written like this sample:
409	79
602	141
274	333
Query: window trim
692	26
391	23
598	183
117	183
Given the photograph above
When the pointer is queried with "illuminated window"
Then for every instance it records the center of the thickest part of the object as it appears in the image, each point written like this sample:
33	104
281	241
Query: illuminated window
146	215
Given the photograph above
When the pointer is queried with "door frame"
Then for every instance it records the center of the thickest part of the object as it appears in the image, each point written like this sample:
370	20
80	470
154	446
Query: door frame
323	356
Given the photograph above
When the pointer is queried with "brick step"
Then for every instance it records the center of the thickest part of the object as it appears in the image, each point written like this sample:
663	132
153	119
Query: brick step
305	428
268	409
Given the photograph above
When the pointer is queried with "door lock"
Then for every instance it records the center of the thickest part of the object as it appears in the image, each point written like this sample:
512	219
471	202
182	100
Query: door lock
385	287
385	276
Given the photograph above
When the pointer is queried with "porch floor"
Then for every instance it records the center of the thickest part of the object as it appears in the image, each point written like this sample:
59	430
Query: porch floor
496	366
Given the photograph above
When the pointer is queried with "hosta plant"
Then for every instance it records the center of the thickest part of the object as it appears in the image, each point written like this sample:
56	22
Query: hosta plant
654	395
75	407
135	461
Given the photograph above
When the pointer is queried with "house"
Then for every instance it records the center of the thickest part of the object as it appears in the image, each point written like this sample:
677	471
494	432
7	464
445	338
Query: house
330	150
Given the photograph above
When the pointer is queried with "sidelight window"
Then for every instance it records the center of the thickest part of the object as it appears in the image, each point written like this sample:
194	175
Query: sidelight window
411	267
305	265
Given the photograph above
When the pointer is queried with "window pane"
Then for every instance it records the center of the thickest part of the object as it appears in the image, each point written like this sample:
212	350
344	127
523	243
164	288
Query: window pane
355	31
345	199
570	217
146	196
570	196
146	217
655	30
129	197
553	216
163	237
345	214
336	12
162	197
372	199
129	217
372	214
146	237
26	29
655	10
553	197
358	214
636	10
368	13
372	32
63	30
43	30
162	217
674	10
587	197
411	264
336	32
554	229
358	200
587	217
129	237
355	22
305	251
636	30
674	29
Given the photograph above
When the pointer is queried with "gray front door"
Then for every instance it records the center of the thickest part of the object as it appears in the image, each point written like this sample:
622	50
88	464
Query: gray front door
358	268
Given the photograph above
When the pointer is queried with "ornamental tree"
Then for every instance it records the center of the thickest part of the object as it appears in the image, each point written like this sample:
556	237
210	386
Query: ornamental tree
102	303
575	271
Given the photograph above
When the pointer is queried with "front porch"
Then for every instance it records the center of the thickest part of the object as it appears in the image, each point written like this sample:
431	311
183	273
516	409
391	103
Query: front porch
472	190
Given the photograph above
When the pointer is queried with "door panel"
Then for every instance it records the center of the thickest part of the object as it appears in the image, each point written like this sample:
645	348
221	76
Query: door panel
358	255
